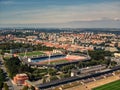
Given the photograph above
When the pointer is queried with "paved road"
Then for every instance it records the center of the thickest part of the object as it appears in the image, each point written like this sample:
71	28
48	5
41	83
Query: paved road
8	80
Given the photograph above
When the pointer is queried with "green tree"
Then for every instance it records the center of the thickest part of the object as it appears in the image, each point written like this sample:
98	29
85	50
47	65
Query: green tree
99	54
1	84
32	88
44	80
52	72
6	86
52	78
25	88
2	78
13	66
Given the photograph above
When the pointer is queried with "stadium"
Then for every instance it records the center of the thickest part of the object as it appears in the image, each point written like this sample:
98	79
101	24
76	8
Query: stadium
57	59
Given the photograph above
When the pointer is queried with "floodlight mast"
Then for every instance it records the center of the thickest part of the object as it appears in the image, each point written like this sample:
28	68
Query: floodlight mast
25	53
49	59
88	56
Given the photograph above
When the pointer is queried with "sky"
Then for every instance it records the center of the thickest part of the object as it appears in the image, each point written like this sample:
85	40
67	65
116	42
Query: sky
60	13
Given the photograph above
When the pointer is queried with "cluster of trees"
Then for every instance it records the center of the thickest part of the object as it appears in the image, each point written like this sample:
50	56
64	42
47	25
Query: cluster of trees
2	78
12	45
67	68
40	73
5	86
95	62
28	88
99	54
15	66
18	33
6	47
42	47
64	75
35	73
52	78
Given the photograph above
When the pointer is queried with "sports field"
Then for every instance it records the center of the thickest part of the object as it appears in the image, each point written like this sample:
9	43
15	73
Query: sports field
59	61
110	86
53	62
32	53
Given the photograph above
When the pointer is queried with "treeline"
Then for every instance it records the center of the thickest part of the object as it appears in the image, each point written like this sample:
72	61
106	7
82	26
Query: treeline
99	54
12	45
42	47
2	78
14	66
18	33
6	47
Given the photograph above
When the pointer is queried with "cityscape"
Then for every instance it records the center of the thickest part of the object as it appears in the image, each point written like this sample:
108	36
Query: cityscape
59	45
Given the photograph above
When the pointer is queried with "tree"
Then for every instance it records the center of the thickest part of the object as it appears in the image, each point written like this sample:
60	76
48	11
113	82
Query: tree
2	78
32	88
1	84
15	63
44	80
99	54
52	78
52	72
25	88
6	86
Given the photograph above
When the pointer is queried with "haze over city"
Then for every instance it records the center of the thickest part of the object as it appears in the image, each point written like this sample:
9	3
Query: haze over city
60	13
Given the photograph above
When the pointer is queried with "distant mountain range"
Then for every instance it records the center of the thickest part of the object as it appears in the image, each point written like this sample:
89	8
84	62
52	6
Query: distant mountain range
103	23
107	23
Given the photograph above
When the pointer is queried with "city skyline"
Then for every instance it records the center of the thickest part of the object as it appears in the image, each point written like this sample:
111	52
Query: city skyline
60	13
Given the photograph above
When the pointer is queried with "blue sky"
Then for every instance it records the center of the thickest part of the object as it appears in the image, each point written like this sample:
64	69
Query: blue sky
62	12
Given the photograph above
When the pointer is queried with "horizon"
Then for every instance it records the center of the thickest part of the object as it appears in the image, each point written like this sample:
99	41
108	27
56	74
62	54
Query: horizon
60	13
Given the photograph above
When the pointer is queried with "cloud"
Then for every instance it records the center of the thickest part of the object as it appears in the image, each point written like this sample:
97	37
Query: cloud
6	2
60	15
100	23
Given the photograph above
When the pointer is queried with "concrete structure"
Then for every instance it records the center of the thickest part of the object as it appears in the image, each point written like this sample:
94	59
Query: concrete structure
88	70
19	79
111	49
117	54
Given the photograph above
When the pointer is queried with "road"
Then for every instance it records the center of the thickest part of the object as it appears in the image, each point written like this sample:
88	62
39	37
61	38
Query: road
8	80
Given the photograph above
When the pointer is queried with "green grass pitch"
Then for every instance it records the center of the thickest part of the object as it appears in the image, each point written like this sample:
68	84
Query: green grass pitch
31	53
110	86
58	61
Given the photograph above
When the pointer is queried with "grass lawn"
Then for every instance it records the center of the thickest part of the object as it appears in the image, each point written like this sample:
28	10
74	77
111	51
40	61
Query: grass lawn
32	53
110	86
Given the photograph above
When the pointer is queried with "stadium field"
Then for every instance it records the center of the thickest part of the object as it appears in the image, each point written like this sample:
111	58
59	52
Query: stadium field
110	86
54	62
32	53
58	61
